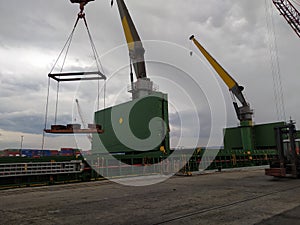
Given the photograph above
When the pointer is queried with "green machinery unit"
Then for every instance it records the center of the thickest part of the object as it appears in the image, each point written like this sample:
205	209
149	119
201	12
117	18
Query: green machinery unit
260	137
259	144
137	127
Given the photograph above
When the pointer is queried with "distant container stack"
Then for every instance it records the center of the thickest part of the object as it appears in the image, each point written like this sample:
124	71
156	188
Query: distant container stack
38	153
11	152
69	152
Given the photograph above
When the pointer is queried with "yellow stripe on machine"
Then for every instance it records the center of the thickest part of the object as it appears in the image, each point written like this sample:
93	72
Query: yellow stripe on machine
128	34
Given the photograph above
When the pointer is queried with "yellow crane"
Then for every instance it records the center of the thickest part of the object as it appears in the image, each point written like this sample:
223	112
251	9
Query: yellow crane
135	46
244	112
143	86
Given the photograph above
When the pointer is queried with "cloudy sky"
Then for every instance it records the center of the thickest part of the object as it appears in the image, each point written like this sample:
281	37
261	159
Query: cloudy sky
238	33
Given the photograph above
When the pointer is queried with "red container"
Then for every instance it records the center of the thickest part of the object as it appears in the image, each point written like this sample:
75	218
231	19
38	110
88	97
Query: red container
62	149
13	154
3	154
54	152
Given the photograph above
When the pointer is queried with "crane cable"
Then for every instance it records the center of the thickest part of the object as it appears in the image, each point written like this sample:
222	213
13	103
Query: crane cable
66	45
65	49
97	60
275	66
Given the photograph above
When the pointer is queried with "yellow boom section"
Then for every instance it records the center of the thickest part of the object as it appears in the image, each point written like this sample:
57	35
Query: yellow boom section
128	35
135	46
229	81
244	113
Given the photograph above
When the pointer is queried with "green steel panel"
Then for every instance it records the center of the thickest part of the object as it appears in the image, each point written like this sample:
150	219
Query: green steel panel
247	138
232	138
126	126
265	136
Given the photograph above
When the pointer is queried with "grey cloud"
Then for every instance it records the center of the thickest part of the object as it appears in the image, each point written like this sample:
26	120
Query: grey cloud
22	123
234	31
12	85
32	124
190	122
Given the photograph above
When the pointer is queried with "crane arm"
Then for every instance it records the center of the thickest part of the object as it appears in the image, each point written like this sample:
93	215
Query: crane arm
229	81
290	13
244	112
135	46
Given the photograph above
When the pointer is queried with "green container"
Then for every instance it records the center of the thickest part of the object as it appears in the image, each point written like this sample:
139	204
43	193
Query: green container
127	127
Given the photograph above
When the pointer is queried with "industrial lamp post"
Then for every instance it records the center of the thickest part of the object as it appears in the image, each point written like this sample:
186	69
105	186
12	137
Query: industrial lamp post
22	138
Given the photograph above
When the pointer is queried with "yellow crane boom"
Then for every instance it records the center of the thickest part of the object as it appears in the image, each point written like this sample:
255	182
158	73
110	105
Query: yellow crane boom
244	113
135	46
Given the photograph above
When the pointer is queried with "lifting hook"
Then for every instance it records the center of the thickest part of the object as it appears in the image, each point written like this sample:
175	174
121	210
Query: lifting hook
81	3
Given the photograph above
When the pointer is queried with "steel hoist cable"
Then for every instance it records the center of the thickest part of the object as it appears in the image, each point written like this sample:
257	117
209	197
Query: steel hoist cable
65	49
97	59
